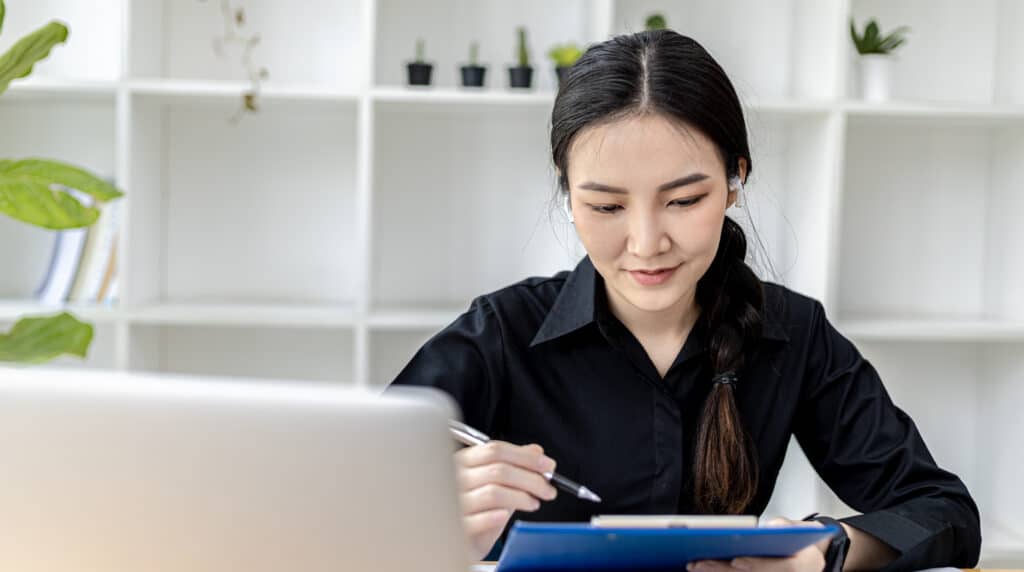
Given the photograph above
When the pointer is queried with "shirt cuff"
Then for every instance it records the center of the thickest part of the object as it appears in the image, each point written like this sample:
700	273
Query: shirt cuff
899	532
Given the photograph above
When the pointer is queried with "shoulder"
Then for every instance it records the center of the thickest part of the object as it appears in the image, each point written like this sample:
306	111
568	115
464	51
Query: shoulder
790	311
535	294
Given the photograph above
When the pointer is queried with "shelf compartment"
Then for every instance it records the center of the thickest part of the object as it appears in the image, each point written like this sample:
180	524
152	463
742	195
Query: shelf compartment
255	212
314	45
491	22
797	51
310	354
102	351
929	67
788	199
391	351
93	49
494	166
76	132
906	228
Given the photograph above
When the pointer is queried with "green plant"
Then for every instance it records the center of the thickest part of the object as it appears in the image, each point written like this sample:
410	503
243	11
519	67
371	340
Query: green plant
420	51
565	55
523	54
34	191
873	42
655	21
474	53
235	18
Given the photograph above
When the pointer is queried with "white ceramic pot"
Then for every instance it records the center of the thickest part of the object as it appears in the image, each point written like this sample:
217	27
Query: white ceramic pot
875	77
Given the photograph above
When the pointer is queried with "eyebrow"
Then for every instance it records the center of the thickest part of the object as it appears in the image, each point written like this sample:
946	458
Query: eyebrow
680	182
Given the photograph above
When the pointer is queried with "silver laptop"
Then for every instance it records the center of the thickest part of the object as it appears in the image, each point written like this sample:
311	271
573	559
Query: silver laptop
116	472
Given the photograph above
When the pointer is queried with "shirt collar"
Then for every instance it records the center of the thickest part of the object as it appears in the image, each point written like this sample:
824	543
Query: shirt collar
574	306
579	304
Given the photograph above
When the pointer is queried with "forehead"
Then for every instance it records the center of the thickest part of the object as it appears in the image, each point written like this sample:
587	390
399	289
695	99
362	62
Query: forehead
643	142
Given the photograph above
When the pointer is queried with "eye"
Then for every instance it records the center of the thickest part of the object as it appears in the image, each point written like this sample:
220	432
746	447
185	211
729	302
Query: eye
605	209
687	202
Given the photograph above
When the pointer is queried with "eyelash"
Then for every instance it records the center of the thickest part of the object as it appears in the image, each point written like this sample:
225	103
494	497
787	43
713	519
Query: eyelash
611	209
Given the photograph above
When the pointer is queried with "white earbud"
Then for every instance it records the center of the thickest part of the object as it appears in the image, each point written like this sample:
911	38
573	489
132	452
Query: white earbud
735	184
567	207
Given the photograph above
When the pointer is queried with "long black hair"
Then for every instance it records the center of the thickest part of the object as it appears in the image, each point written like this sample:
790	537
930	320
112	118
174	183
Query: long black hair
669	74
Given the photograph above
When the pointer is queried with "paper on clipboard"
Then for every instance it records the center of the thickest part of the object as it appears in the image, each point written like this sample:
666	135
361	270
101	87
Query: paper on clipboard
673	521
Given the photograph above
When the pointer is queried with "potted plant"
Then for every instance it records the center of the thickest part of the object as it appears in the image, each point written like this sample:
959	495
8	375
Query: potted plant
521	75
564	56
655	21
419	69
31	191
473	73
875	57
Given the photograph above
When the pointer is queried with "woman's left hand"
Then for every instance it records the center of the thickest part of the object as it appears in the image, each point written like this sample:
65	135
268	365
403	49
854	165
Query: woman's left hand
809	559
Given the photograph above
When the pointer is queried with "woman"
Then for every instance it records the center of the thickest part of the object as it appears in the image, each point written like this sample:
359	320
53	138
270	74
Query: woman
661	372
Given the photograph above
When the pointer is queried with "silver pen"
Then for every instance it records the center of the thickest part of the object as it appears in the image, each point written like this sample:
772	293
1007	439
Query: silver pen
468	436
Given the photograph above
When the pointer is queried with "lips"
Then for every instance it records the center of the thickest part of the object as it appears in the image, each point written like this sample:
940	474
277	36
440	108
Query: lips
652	277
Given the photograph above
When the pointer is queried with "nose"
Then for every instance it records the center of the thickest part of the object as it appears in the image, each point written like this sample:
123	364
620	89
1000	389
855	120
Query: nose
647	237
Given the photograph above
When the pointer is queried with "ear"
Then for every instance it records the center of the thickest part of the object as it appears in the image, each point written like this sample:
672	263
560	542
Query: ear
731	195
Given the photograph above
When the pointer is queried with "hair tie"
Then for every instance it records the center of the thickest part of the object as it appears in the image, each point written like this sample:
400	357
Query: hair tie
725	378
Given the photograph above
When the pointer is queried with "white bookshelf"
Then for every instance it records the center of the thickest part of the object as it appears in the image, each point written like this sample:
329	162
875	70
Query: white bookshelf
330	235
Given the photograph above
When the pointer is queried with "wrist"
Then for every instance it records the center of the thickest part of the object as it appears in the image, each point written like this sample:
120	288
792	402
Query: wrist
835	548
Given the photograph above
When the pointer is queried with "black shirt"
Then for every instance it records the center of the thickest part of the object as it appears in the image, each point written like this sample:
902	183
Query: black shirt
545	361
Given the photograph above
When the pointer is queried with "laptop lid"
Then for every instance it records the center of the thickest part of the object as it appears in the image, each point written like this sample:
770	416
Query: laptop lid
138	472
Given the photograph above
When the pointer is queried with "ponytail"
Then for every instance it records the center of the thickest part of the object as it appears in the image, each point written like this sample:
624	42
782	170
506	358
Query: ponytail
731	296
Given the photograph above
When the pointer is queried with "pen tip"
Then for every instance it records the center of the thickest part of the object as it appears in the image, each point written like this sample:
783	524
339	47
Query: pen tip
589	495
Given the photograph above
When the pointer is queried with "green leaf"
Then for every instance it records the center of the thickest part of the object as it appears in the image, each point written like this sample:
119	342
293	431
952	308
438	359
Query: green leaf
27	193
871	34
565	55
40	339
855	37
2	15
18	60
655	21
56	172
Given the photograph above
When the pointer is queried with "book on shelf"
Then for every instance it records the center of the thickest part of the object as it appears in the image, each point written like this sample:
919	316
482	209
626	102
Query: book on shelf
83	261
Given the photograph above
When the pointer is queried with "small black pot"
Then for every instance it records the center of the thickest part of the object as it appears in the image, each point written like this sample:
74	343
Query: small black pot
562	73
520	77
419	74
473	76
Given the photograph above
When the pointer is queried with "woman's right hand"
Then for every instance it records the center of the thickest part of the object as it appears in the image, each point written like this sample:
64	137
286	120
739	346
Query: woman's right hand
496	479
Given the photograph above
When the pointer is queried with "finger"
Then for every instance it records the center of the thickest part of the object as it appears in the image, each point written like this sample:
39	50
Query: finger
707	565
809	558
526	456
747	563
486	520
510	476
764	564
489	497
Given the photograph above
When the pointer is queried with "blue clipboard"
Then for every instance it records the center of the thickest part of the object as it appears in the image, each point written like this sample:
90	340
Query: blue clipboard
550	546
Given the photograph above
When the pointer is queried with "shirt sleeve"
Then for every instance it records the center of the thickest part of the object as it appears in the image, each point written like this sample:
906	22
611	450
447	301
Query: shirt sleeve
466	360
872	455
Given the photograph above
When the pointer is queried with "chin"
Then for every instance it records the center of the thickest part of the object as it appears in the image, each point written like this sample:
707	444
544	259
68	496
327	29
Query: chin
653	301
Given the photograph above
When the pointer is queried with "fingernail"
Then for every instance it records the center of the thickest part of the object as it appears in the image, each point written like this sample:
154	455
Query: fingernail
552	493
546	464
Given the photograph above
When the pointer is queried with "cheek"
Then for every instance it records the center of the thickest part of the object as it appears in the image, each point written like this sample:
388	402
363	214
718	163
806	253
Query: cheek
602	239
698	238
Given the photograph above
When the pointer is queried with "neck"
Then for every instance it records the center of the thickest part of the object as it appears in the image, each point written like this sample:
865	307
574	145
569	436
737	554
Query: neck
671	323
